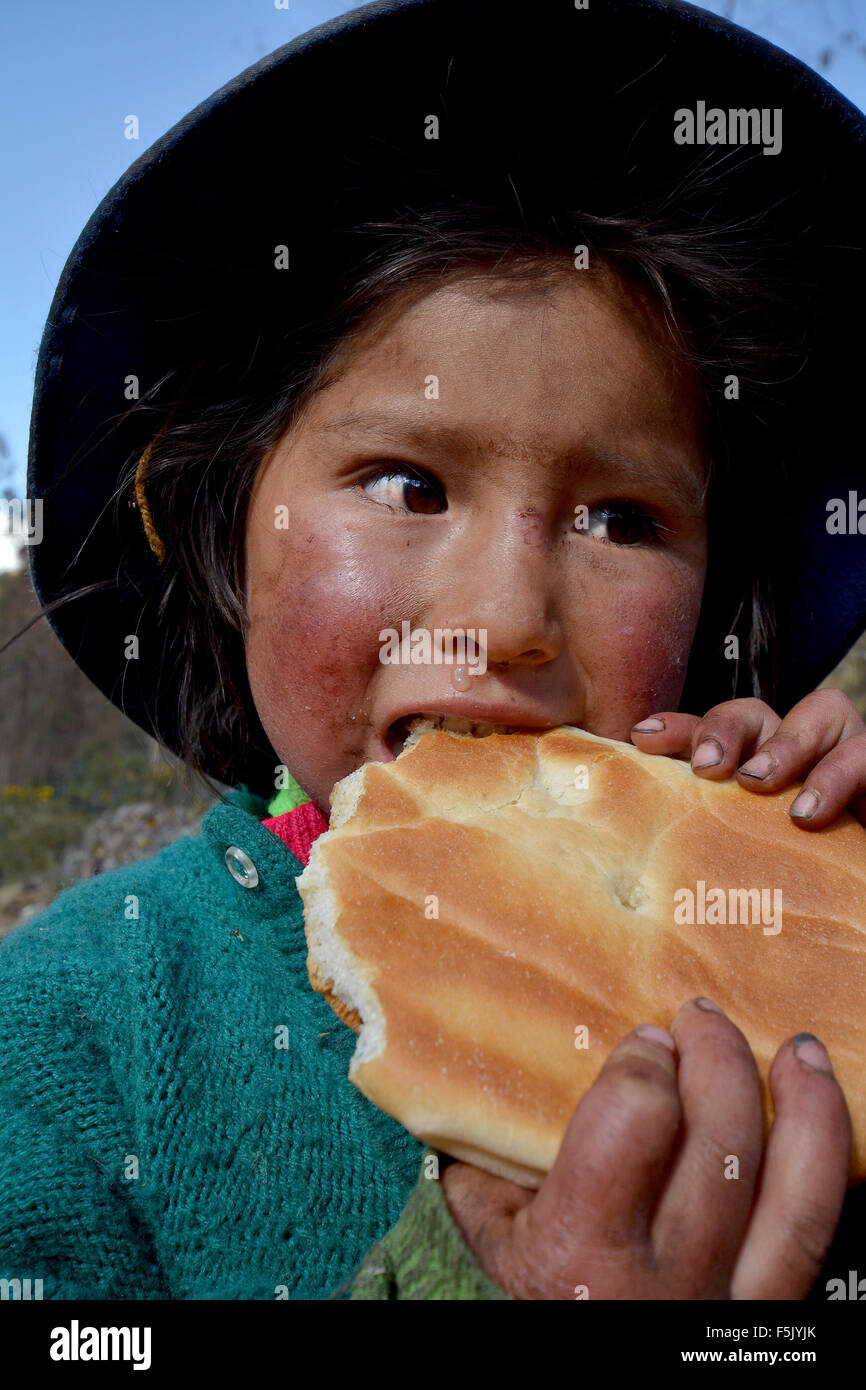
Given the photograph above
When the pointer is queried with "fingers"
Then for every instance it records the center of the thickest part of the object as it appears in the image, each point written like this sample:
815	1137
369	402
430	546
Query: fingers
821	742
667	732
704	1210
803	1181
617	1146
595	1203
658	1188
824	728
482	1206
594	1206
715	744
838	783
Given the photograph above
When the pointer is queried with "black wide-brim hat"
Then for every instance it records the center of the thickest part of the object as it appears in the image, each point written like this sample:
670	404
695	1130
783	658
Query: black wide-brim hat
549	104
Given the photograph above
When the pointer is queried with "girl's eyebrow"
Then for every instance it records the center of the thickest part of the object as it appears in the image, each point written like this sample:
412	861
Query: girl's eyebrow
670	467
398	430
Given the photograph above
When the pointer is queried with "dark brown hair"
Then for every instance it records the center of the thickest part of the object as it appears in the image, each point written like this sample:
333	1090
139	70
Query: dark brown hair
230	411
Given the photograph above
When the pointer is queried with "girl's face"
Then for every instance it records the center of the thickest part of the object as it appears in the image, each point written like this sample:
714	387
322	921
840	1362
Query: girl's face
434	481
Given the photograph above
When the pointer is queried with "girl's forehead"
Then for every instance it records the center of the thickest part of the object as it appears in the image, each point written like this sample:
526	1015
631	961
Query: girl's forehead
579	339
467	368
492	385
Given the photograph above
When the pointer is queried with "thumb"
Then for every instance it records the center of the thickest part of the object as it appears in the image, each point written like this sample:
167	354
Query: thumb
483	1207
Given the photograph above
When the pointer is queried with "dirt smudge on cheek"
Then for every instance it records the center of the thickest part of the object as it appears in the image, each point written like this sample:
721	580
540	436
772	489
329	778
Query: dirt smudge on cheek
532	528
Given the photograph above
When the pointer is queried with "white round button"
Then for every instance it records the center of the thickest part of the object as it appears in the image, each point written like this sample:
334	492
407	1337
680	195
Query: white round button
241	867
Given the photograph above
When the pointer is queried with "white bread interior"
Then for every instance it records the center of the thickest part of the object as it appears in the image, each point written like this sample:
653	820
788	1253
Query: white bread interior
556	911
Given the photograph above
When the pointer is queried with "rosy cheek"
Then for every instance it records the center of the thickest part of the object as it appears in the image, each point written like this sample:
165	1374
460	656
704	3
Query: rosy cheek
653	638
315	643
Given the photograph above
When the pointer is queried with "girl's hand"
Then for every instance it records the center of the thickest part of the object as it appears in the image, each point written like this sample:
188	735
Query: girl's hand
821	742
642	1203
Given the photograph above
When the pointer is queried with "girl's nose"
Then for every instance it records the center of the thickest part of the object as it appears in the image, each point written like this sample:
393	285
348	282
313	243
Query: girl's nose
504	582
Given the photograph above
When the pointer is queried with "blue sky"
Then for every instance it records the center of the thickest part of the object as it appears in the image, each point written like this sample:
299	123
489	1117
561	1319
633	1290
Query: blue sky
69	73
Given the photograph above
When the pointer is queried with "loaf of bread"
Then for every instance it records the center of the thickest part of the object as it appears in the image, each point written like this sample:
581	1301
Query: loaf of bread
494	914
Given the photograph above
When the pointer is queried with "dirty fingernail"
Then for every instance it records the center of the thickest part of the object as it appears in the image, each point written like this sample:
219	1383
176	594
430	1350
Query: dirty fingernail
759	766
649	726
653	1034
813	1052
708	1004
806	804
706	755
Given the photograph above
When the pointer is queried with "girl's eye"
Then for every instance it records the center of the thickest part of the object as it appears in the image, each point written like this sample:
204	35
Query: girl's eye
622	523
404	489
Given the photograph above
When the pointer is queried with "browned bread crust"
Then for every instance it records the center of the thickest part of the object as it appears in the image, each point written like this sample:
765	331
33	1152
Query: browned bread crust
557	911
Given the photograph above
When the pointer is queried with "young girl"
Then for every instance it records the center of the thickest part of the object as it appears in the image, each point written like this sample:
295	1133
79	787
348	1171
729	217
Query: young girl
351	411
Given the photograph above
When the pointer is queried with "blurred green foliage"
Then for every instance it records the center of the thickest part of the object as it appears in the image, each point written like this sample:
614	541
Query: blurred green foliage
66	754
38	822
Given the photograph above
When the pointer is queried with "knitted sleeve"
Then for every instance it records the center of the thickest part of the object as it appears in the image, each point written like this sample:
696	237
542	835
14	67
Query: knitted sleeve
67	1228
423	1257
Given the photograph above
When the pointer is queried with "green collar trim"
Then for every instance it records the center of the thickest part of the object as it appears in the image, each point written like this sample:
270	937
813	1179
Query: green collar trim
288	797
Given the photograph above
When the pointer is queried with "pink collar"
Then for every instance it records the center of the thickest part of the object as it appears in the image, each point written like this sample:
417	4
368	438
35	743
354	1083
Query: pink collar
299	828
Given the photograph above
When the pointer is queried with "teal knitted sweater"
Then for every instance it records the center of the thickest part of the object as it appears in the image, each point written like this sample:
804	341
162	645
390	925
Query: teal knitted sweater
175	1115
